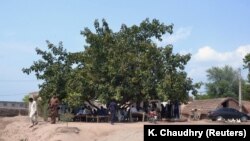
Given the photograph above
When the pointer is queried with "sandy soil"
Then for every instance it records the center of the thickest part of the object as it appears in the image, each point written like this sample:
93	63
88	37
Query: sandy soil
17	129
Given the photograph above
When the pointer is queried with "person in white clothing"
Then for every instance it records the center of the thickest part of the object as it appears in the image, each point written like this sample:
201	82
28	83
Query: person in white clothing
33	111
133	109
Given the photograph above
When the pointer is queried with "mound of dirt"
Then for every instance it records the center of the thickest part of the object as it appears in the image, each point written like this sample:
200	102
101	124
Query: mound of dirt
73	130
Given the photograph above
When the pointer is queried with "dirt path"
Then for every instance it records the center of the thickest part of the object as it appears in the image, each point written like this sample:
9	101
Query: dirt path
3	124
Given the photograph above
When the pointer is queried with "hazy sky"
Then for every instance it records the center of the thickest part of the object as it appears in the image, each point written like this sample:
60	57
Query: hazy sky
215	32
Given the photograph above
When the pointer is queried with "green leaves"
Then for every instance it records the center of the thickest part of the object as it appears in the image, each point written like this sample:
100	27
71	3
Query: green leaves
223	82
74	99
128	66
53	68
246	65
125	65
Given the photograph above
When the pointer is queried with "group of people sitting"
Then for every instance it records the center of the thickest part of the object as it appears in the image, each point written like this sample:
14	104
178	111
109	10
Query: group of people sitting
121	113
84	111
87	110
169	110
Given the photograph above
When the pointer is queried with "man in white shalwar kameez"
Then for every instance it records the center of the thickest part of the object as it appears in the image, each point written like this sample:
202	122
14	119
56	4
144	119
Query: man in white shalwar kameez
33	111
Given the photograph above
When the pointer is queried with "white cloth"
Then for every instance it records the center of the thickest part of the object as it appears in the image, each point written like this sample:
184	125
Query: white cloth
33	112
120	115
133	110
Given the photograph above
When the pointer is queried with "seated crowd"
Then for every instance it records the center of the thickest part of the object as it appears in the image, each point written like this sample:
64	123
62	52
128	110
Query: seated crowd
134	113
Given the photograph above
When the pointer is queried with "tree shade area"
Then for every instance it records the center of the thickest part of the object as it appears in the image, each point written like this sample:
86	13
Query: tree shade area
127	66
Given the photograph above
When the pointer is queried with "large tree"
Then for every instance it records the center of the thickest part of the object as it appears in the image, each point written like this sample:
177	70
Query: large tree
175	85
126	65
223	82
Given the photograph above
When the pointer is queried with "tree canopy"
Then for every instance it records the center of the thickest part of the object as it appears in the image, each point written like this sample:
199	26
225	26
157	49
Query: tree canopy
53	68
224	82
126	65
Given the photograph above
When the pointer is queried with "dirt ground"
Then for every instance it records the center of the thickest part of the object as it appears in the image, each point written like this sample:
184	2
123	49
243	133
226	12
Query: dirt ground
17	129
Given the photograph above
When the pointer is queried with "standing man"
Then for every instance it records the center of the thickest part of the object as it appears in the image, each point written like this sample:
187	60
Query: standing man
176	109
112	109
54	102
33	111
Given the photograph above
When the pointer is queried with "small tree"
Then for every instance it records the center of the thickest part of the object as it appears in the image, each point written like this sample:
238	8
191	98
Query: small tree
67	117
26	99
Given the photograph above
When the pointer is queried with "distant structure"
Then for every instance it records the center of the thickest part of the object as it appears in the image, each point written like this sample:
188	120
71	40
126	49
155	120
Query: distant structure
13	105
207	105
12	108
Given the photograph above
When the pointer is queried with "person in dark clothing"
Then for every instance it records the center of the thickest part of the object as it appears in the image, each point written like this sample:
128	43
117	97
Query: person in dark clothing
163	111
54	102
102	111
176	109
169	110
171	106
112	109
